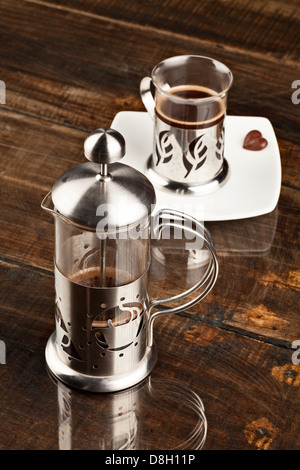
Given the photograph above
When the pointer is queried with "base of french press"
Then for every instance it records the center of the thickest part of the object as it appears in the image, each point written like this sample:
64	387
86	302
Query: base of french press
91	383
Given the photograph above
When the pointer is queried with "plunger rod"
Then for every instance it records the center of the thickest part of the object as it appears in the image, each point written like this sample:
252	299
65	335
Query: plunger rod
103	173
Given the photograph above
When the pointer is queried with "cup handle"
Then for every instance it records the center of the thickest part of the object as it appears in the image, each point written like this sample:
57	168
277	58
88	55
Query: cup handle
146	96
207	281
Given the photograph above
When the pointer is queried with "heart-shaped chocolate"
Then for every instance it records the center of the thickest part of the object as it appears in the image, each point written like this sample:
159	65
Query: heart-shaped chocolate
254	141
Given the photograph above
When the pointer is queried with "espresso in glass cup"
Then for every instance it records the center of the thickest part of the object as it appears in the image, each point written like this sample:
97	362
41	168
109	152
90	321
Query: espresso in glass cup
188	110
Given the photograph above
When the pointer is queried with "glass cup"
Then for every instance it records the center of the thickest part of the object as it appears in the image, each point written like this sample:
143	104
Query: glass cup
188	110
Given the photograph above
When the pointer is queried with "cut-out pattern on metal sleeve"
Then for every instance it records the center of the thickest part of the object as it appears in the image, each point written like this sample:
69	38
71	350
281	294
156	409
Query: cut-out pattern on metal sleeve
196	156
100	331
183	162
220	145
114	318
164	148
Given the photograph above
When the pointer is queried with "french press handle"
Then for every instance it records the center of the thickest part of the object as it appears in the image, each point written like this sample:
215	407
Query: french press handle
205	283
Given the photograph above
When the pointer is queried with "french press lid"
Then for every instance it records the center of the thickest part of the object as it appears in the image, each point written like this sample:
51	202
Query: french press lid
103	189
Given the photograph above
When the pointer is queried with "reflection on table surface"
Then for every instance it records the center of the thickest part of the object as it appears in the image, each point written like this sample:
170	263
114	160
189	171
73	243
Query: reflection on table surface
133	419
248	237
175	267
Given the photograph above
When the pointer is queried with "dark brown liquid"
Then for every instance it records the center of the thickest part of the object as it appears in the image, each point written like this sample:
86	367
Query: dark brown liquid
189	113
92	277
189	93
123	312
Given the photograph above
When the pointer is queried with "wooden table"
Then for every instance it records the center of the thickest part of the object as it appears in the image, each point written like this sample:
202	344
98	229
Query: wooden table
69	66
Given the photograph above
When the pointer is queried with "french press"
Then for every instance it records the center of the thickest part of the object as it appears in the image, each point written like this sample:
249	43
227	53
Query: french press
103	210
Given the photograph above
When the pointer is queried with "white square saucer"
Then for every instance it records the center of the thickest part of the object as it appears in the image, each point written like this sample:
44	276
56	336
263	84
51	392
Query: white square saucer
252	187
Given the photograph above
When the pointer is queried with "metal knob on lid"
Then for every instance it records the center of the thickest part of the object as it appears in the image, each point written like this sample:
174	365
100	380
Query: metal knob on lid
104	146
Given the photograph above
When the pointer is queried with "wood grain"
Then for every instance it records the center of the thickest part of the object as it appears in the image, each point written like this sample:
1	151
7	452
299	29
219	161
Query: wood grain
50	75
69	67
238	25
